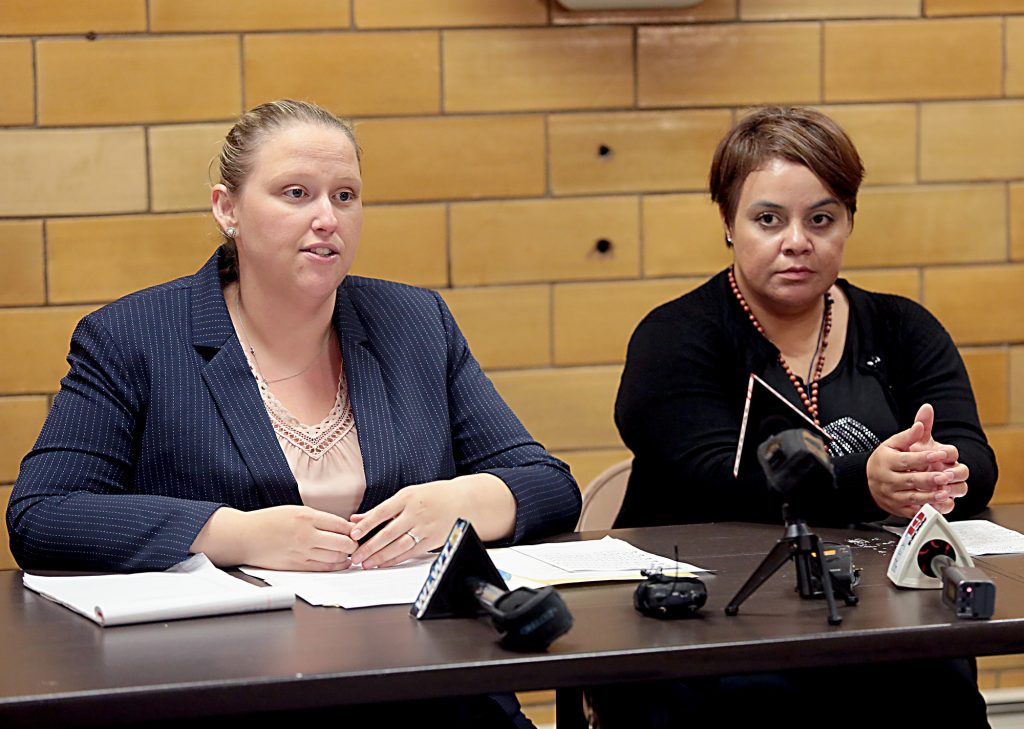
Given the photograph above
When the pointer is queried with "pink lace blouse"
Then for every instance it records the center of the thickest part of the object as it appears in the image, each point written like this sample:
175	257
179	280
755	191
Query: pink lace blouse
325	458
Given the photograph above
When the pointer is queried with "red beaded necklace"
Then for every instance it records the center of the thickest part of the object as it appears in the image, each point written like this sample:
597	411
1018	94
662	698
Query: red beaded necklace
811	403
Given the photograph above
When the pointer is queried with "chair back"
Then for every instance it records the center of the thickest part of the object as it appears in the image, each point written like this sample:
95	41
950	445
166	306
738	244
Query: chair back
602	498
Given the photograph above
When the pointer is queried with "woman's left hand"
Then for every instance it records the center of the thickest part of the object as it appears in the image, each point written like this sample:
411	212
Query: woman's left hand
911	469
418	518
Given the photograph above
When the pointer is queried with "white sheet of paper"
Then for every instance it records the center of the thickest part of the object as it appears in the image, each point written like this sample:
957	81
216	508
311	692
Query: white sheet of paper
191	588
600	555
354	587
981	537
984	537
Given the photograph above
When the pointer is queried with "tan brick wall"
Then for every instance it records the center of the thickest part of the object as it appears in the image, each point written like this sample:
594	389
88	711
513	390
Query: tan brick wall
502	142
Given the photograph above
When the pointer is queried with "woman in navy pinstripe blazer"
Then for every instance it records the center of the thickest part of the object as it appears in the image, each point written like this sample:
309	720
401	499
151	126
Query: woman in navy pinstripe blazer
160	443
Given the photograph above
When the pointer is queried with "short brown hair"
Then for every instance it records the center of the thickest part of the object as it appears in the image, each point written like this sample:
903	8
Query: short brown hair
797	134
244	138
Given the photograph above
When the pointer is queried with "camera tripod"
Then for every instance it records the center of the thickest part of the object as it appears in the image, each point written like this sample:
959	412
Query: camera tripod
804	547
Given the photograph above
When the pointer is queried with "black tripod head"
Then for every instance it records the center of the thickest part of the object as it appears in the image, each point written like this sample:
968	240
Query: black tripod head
797	466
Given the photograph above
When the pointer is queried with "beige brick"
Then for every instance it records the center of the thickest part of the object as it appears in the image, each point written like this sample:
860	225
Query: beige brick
999	663
407	243
913	59
899	281
1015	56
352	74
1017	222
683	234
815	9
594	321
6	558
21	275
587	465
118	81
182	164
51	17
20	421
544	240
1017	385
72	171
567	408
705	11
978	304
100	259
17	79
886	138
448	14
972	140
448	158
170	16
913	225
712	65
506	326
537	69
1008	444
987	680
1011	679
633	151
538	712
41	338
988	368
972	7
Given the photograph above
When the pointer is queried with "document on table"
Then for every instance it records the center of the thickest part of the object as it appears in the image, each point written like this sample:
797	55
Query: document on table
354	587
559	563
192	588
596	560
982	537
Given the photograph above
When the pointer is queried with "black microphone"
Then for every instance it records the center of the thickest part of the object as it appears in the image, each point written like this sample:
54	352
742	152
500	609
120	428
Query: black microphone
967	591
529	620
661	596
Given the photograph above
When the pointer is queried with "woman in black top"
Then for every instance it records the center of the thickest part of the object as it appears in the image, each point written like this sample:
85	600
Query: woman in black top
877	372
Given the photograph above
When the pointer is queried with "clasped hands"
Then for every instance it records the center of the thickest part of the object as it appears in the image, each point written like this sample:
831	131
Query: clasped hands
306	539
911	469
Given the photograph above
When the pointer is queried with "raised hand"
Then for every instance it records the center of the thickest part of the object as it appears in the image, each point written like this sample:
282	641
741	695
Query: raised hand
911	469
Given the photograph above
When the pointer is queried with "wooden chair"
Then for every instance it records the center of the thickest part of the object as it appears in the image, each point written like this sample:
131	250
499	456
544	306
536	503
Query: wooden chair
602	498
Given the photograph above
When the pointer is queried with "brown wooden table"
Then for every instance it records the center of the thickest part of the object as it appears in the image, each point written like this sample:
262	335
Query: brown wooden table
58	668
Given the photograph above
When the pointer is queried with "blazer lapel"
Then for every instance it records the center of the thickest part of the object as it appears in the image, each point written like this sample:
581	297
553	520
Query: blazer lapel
369	397
235	392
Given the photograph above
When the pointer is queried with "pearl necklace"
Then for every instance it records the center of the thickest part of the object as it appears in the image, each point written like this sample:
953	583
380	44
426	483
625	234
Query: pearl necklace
811	402
255	359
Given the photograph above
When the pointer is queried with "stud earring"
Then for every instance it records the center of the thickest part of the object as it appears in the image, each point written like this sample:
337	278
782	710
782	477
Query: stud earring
231	232
728	240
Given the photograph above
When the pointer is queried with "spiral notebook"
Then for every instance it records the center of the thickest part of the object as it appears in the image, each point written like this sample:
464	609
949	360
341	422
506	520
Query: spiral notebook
190	589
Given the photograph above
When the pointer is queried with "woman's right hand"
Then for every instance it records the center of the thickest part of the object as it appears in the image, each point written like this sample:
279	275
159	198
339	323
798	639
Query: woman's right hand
279	538
911	469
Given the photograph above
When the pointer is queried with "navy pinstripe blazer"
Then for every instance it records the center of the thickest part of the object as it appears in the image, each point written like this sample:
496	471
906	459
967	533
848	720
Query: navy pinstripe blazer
159	422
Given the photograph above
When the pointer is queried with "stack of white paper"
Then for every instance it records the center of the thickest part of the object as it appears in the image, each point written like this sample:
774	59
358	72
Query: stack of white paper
560	563
565	563
354	587
190	589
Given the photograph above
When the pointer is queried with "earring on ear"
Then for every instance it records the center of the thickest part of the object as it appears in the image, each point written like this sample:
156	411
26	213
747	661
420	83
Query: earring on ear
231	232
728	240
